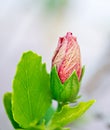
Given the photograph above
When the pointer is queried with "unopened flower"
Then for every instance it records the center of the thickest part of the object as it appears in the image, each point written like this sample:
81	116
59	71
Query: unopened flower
66	72
67	57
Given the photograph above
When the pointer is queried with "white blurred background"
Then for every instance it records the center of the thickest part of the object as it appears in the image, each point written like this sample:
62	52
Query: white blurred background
36	25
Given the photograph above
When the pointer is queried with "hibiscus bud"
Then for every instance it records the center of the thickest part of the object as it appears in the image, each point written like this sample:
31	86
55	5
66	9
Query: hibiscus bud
66	72
67	57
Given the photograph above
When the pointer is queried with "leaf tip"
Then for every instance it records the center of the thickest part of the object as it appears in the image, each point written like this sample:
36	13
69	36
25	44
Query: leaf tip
92	101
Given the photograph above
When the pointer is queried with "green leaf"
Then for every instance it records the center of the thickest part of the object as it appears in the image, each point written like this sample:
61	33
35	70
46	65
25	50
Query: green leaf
69	114
65	128
31	90
38	127
59	128
44	128
8	107
66	92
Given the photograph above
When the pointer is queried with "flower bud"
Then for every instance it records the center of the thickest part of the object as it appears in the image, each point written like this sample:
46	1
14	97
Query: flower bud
67	57
66	72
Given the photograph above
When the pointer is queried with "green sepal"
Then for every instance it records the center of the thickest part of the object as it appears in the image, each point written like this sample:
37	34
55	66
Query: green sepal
68	114
64	92
82	73
8	107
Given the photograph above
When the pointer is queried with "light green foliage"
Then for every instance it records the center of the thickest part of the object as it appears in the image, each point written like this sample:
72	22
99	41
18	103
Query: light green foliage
69	114
31	93
29	106
8	107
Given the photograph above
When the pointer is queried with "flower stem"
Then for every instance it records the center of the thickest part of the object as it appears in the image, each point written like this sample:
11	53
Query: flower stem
60	105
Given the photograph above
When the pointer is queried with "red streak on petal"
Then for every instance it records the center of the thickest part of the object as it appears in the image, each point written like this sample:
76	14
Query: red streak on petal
61	39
